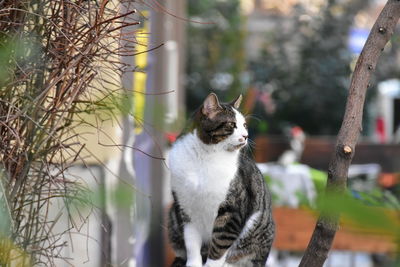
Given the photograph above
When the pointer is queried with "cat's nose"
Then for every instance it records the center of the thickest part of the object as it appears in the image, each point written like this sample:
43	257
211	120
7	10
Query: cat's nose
244	138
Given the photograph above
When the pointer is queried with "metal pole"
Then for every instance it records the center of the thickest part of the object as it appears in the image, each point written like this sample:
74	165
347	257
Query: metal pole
164	73
156	113
149	170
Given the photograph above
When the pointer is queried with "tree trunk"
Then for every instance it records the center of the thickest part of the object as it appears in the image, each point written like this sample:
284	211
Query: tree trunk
325	229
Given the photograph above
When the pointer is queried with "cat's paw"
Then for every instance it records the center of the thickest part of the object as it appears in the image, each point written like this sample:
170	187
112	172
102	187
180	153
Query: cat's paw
214	263
194	263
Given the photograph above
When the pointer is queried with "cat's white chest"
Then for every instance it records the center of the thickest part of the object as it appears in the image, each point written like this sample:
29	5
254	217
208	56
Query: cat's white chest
201	179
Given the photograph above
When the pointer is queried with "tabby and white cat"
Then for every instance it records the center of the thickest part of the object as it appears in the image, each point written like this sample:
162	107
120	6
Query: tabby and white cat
221	214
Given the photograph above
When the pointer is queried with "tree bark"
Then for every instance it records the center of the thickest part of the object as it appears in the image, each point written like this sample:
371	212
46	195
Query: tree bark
325	229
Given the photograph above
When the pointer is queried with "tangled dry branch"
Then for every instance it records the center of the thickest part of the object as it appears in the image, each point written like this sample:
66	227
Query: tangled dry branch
59	59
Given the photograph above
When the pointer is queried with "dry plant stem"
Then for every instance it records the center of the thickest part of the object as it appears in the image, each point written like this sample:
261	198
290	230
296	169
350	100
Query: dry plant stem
55	77
326	227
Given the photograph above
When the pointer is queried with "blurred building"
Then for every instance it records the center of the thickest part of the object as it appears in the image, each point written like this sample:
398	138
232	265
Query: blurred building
264	15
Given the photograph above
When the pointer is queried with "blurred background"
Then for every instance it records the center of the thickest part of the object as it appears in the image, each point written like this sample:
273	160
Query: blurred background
290	59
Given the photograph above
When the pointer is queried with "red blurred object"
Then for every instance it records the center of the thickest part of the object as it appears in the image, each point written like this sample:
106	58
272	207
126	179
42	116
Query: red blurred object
388	180
380	130
171	137
296	131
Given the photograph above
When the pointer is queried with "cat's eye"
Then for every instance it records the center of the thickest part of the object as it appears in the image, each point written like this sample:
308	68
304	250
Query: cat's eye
231	125
245	125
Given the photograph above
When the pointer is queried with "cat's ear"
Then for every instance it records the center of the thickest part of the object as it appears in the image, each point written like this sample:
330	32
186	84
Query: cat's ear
211	105
236	103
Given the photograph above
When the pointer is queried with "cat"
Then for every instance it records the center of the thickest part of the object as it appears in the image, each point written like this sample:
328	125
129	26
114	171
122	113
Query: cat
221	211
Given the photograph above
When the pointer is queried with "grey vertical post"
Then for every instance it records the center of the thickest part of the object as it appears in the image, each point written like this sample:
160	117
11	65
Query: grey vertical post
155	109
164	73
149	170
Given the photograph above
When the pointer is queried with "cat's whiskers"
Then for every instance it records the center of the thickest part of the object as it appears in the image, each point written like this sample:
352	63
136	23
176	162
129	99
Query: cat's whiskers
251	143
252	116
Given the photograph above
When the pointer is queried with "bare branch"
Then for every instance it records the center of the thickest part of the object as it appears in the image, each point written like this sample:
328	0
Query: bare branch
327	224
53	74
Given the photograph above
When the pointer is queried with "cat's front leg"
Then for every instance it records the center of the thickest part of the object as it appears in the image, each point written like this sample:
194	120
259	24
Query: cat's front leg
193	245
226	230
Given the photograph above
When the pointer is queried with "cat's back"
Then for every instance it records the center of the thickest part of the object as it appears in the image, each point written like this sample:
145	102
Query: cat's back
248	168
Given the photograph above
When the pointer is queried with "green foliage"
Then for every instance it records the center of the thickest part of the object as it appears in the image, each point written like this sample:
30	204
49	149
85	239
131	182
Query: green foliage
262	127
215	58
356	212
319	179
5	213
378	198
15	54
270	182
304	201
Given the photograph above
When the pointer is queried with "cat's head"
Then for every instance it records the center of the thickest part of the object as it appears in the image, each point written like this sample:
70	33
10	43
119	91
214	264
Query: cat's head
221	124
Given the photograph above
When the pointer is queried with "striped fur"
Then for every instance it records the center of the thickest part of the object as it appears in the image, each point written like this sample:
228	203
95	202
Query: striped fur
221	214
244	224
